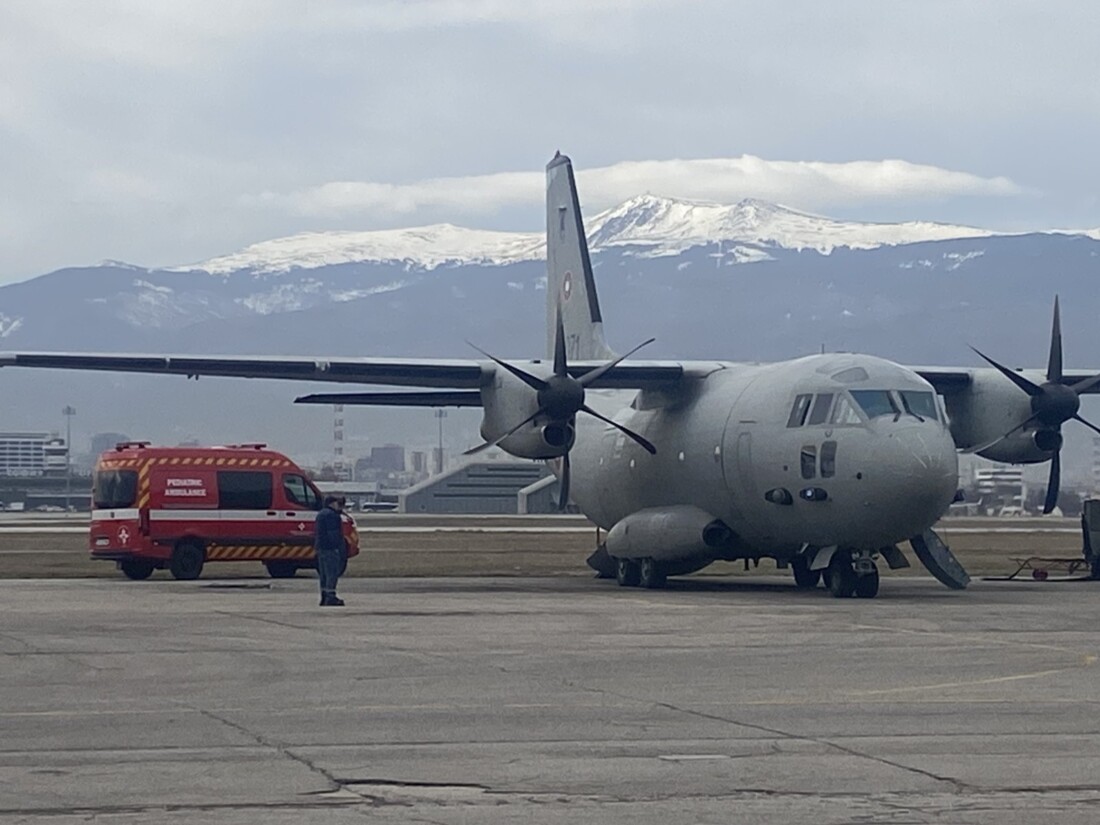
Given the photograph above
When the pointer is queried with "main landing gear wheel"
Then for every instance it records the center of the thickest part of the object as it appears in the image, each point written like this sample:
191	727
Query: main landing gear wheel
840	578
628	573
187	561
281	569
651	574
867	585
136	569
804	577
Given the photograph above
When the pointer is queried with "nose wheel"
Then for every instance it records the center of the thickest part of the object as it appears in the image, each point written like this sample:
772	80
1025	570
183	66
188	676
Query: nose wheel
867	584
804	577
846	578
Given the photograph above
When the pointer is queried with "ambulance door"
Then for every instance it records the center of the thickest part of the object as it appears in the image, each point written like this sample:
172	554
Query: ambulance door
300	503
249	524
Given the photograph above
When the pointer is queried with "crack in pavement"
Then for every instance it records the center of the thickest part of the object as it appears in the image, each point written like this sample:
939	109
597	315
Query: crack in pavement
334	783
957	784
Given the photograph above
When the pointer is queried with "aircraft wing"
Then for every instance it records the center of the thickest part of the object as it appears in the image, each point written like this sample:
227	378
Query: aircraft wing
454	374
949	380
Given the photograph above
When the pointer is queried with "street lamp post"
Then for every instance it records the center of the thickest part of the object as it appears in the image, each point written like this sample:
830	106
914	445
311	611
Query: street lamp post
68	412
440	415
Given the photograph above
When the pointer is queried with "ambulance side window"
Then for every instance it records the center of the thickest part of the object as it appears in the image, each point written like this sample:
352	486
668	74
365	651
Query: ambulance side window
299	492
244	490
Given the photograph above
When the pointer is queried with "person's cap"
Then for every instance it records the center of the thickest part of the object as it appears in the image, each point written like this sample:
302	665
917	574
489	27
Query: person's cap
330	499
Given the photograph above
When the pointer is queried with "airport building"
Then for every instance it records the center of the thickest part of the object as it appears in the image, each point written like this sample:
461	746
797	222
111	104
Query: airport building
32	455
486	487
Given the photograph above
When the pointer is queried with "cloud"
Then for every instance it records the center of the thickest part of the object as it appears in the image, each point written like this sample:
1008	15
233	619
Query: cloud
803	184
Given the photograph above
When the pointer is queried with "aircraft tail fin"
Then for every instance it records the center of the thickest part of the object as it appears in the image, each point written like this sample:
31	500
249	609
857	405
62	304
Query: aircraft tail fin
569	280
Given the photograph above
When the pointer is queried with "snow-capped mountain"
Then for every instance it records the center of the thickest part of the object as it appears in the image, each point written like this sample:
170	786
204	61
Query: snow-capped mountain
659	226
425	247
382	279
668	226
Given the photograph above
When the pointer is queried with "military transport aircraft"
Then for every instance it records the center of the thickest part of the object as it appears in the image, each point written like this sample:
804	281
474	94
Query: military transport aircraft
823	463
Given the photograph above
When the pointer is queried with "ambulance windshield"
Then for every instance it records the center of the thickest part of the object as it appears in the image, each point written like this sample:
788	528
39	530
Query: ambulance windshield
114	489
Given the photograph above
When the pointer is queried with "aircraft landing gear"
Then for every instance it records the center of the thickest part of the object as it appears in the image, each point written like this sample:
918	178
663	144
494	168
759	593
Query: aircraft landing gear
840	577
628	573
804	577
867	584
652	574
845	577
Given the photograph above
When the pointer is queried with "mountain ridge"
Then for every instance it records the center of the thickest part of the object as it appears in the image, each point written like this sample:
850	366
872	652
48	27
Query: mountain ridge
662	225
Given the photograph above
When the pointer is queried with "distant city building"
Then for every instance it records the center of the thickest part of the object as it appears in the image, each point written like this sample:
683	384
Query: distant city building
390	458
102	442
32	455
1096	465
418	462
1000	488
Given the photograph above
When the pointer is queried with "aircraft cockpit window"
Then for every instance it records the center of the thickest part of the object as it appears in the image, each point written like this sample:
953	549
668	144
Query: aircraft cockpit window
844	412
820	412
920	404
875	402
799	410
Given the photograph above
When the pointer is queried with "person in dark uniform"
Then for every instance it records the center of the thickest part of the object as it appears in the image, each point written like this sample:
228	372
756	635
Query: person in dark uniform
332	551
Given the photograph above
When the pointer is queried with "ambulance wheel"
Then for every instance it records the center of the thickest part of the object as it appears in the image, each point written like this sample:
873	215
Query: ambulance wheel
281	569
651	574
867	585
136	569
627	573
187	560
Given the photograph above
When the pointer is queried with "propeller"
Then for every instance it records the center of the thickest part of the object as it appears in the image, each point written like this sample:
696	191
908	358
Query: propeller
1052	404
560	397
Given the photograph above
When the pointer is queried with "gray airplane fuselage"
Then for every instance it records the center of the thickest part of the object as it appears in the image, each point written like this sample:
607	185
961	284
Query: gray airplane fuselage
731	446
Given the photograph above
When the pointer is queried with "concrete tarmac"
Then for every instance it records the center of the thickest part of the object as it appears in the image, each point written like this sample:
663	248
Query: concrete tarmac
547	701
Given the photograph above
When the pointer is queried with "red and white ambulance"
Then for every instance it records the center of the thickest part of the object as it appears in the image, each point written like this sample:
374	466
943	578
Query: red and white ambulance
181	507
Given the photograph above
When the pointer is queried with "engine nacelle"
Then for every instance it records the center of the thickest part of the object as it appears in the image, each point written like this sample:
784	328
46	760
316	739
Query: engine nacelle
669	534
509	401
985	411
549	439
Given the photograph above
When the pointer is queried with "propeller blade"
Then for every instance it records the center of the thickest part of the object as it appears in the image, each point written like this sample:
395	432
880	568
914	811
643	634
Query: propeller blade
532	381
512	431
1054	482
560	363
1054	362
590	377
1085	384
1024	384
1088	424
563	484
630	433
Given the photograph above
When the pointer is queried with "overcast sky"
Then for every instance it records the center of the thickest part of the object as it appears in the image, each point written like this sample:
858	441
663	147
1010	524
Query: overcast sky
166	133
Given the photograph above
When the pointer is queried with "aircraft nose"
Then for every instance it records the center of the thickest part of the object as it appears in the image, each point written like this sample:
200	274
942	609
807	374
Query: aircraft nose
913	475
